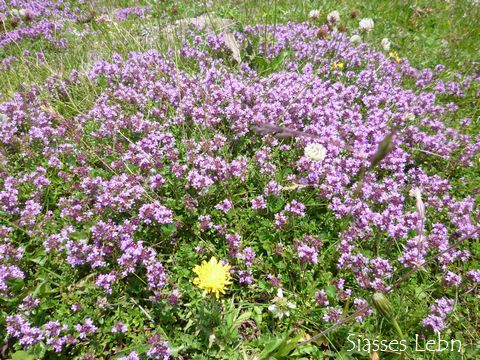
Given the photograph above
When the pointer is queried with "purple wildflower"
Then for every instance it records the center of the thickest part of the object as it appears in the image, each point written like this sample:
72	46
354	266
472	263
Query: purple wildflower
86	329
321	298
307	254
159	348
119	327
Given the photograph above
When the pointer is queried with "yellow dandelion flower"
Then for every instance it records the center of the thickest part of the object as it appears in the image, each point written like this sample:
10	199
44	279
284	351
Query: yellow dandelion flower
339	65
212	277
394	55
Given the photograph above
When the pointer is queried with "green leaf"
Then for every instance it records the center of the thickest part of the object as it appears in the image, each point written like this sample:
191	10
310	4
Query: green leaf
288	346
245	316
331	291
271	346
16	285
278	61
38	351
22	355
168	229
257	317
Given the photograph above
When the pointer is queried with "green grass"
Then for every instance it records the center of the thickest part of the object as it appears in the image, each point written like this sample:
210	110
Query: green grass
426	32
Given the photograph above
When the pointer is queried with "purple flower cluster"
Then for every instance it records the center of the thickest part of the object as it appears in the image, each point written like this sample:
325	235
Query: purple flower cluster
47	19
321	298
28	335
307	254
10	255
123	14
474	275
19	327
86	329
259	203
132	356
295	208
332	315
155	212
162	148
26	19
119	327
159	348
438	313
308	248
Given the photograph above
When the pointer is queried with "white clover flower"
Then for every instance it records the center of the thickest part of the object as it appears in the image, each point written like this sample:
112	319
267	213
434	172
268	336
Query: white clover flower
281	306
409	116
414	192
22	13
333	17
314	14
355	39
385	44
315	152
366	24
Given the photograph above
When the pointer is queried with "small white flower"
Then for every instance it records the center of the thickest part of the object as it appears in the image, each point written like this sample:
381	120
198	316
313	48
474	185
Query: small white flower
366	24
315	152
417	194
385	44
314	14
272	308
355	39
22	12
409	116
333	17
281	306
414	192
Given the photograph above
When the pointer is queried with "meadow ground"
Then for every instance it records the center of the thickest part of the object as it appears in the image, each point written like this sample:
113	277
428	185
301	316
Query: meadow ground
330	163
